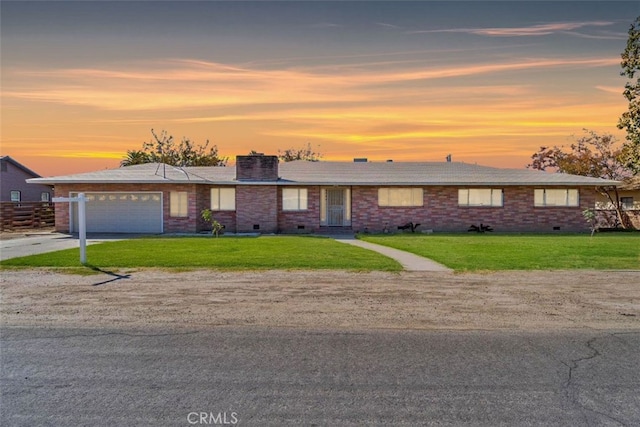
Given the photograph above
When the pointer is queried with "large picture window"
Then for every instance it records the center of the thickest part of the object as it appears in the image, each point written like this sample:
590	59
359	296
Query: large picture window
178	204
490	197
223	199
294	199
402	197
556	197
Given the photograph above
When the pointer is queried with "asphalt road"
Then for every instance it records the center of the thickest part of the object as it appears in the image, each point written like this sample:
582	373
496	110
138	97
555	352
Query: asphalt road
64	377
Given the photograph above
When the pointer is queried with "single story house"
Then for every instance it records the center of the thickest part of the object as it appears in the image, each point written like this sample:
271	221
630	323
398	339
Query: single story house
259	194
13	183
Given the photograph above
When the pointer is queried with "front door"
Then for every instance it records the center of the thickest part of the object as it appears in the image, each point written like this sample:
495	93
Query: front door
335	207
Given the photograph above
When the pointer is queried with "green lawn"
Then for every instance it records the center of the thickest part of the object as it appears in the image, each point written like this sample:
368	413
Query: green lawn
227	253
477	252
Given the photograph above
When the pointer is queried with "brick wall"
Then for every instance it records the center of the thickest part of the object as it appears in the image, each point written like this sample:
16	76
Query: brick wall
262	205
289	221
256	205
188	224
226	218
442	213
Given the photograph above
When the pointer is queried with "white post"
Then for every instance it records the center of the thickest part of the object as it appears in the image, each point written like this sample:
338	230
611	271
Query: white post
82	221
82	224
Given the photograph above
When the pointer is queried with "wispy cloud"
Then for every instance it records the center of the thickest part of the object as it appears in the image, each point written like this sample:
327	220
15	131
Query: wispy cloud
192	83
388	26
325	25
610	89
533	30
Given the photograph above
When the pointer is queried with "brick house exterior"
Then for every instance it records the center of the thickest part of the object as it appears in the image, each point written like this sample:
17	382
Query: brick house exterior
261	195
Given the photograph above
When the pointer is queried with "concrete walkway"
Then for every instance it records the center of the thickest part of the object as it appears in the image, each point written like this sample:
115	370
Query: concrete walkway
409	261
48	242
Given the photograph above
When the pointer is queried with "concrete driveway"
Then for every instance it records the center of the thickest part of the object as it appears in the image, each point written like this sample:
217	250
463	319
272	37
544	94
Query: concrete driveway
49	242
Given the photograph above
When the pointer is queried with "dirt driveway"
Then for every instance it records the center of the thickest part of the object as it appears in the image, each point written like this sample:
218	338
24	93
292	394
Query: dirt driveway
324	299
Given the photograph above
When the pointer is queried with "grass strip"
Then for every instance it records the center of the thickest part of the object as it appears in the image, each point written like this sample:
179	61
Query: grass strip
493	252
225	253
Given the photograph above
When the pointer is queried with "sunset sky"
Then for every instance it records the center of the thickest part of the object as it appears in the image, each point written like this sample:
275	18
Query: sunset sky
488	82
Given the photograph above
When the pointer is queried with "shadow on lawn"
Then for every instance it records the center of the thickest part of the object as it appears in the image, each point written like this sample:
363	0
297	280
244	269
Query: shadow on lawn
110	273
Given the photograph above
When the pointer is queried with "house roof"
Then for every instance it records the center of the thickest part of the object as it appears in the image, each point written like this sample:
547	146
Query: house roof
335	173
630	184
19	165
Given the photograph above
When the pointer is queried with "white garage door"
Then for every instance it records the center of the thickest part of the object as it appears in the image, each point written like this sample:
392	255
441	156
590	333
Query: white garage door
122	212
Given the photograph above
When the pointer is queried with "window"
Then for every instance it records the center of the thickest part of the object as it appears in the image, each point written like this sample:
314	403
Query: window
294	199
45	197
626	202
480	197
223	199
400	197
555	197
15	196
178	204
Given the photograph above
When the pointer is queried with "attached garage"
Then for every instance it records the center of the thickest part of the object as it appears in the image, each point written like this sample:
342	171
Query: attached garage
121	212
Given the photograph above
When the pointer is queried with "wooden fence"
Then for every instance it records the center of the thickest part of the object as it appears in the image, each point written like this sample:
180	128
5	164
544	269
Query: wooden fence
26	215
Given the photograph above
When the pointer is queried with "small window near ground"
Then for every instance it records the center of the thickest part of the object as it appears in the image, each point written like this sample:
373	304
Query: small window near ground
489	197
178	204
223	199
550	197
45	197
400	197
15	196
294	199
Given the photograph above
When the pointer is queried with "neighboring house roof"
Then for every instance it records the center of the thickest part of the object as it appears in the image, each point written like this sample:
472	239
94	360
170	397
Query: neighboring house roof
19	165
630	184
335	173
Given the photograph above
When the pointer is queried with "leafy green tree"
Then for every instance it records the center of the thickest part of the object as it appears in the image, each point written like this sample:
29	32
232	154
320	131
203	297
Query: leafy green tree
163	149
594	155
216	227
630	120
304	153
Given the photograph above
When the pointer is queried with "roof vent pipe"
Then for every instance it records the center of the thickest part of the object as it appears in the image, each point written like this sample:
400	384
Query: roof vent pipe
448	158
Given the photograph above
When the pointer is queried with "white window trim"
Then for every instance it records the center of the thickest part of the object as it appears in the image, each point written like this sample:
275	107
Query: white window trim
14	192
216	193
300	206
566	204
417	200
464	195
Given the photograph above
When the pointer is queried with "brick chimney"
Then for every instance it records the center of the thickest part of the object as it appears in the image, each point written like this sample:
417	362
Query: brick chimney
257	167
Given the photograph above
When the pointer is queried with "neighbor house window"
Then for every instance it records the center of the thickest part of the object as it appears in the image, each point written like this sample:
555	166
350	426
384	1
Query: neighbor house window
555	197
491	197
178	204
15	196
626	202
223	199
400	197
294	199
45	197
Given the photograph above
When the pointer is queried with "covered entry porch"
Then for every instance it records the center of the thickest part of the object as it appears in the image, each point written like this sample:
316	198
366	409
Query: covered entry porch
335	207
